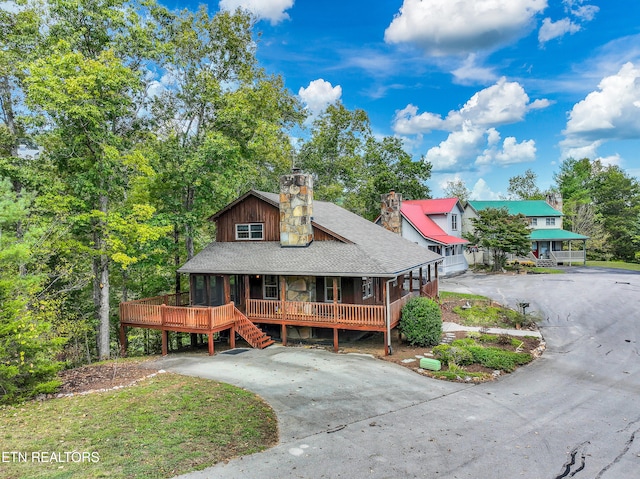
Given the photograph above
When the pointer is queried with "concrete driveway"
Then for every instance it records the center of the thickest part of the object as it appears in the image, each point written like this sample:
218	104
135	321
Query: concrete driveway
575	412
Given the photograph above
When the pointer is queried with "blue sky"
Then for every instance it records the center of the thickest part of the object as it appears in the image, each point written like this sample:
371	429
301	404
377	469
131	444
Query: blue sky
483	89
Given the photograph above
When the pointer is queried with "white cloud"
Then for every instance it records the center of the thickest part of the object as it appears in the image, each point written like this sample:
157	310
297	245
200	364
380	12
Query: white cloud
457	147
510	153
272	10
482	191
473	139
318	95
550	29
408	122
470	72
577	14
443	27
611	160
612	112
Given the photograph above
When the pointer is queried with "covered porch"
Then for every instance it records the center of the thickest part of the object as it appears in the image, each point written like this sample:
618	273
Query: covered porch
240	313
551	247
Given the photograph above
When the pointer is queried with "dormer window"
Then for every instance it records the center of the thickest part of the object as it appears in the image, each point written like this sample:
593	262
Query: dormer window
250	232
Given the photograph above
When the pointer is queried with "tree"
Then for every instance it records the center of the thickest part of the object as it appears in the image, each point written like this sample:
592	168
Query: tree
602	199
88	89
28	344
501	234
353	168
457	189
523	187
221	120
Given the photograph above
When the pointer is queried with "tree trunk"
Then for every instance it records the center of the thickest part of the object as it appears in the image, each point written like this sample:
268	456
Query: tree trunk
103	287
188	240
176	258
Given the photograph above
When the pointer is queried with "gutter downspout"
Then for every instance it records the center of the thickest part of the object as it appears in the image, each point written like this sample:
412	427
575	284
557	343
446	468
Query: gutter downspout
388	300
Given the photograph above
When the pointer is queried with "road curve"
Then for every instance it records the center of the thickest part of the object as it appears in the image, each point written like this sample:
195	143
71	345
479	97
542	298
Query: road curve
575	412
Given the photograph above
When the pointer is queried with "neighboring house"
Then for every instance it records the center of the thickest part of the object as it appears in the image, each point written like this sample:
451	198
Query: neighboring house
550	244
291	266
436	224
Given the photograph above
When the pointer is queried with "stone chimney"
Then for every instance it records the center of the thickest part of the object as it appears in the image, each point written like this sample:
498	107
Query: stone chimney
555	201
296	209
390	217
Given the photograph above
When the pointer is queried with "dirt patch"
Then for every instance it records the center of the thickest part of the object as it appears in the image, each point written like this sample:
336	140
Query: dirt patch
103	376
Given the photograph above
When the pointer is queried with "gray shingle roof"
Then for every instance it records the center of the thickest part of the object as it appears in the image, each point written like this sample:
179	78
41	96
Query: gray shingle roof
374	250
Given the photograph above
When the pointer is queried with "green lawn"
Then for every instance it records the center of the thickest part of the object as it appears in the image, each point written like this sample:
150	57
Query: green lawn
615	264
161	427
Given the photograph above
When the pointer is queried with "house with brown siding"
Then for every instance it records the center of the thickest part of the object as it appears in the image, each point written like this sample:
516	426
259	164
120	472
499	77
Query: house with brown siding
285	264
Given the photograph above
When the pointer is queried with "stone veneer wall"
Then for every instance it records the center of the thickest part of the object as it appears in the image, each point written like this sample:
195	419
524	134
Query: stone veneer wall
390	217
296	209
301	288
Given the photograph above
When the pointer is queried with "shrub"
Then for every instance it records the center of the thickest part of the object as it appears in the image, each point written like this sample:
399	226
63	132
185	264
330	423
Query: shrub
421	322
496	358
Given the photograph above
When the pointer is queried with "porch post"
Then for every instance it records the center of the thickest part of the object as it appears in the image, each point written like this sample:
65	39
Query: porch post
429	273
410	282
211	345
584	251
283	334
232	337
420	282
165	340
283	298
227	288
247	293
335	299
387	337
335	340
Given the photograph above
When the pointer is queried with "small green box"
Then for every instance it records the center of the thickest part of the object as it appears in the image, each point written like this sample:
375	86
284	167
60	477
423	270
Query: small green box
432	364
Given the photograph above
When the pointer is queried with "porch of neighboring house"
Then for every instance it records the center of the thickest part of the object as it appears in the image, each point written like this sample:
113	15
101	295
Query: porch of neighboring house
239	313
555	247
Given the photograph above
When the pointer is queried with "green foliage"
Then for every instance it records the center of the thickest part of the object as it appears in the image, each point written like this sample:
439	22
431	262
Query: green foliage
488	316
353	168
28	344
450	354
496	358
501	234
421	322
602	202
464	352
523	187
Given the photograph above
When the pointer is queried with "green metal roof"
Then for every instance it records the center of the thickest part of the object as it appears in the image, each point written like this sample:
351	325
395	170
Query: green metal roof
529	208
555	234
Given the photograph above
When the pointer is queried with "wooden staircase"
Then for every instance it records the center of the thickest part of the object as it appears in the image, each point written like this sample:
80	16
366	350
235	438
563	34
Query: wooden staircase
250	332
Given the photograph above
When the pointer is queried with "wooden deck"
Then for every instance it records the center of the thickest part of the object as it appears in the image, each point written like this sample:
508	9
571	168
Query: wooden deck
173	313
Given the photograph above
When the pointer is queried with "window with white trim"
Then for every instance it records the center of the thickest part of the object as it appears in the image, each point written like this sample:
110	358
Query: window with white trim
367	288
249	231
328	290
534	221
270	287
551	221
454	222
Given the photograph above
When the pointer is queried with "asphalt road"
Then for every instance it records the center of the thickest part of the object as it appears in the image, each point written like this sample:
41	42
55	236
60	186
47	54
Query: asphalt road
575	412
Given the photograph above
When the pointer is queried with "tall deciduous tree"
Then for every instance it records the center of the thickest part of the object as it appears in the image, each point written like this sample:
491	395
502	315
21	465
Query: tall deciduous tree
352	167
524	187
87	88
221	121
458	189
501	234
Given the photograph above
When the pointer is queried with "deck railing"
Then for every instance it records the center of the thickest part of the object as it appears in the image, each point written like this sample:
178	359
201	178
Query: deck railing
307	312
160	315
430	289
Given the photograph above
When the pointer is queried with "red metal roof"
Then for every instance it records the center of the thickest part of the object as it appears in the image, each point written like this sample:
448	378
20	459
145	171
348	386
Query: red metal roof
437	206
413	211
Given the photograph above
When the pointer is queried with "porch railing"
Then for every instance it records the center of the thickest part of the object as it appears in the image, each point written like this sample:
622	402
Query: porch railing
568	256
308	312
145	313
430	289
